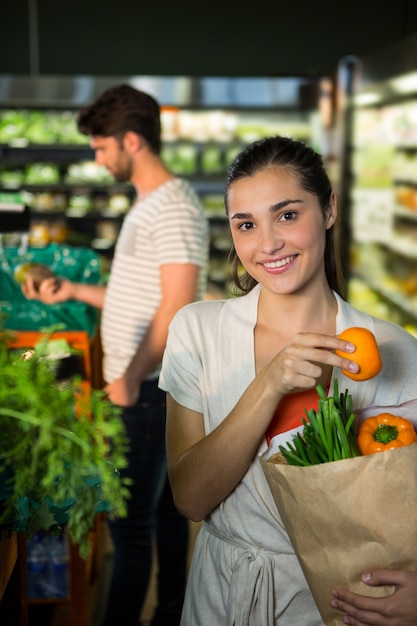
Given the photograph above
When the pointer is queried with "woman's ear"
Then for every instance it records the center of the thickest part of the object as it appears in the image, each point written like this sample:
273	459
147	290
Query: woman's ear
331	211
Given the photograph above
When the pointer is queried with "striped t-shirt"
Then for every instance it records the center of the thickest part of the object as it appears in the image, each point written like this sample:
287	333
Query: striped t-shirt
166	226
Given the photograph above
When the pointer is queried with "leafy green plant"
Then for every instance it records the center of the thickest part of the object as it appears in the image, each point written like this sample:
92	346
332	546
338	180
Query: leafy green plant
61	448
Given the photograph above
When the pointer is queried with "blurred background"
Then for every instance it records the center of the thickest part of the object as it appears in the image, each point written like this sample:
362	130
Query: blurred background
224	76
341	78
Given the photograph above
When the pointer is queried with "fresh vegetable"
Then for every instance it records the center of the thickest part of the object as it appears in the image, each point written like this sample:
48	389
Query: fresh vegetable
327	435
37	271
62	445
385	432
366	355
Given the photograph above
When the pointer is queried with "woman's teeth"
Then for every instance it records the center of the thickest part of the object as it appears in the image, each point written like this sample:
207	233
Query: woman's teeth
280	263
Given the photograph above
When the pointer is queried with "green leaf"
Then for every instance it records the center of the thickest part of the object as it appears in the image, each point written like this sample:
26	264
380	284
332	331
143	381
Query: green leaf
53	457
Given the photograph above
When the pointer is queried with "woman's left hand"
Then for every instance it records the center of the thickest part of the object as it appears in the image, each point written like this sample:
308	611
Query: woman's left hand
397	609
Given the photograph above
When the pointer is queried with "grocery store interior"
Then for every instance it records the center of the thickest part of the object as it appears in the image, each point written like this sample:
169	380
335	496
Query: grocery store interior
342	79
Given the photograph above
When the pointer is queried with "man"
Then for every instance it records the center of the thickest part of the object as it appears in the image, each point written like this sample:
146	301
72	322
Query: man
159	266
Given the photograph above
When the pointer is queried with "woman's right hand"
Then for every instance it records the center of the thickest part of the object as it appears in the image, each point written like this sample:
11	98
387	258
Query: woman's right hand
307	360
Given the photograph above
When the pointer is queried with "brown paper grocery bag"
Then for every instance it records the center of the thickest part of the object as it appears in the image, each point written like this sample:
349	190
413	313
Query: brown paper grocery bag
347	517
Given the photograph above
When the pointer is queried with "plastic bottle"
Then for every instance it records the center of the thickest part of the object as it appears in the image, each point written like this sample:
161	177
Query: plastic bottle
58	567
37	566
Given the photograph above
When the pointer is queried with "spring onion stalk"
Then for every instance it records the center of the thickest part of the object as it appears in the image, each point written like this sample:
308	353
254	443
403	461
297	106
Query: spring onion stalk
328	433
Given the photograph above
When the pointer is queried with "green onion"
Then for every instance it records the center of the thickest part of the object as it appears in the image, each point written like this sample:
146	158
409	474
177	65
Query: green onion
327	435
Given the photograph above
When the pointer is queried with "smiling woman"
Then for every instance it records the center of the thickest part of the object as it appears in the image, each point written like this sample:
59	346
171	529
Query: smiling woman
279	238
232	367
301	182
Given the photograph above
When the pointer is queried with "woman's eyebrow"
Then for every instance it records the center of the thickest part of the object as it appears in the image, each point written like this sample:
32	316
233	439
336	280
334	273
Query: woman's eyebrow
241	216
281	205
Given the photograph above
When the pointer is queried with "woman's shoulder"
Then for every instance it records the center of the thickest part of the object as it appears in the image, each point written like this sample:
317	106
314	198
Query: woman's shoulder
199	312
203	312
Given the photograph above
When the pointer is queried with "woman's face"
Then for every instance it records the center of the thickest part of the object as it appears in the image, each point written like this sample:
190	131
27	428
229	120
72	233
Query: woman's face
279	230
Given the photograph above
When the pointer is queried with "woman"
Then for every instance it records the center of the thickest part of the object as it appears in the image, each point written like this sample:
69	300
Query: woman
231	366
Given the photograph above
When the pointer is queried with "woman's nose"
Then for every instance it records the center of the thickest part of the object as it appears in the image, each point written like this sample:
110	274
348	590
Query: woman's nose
271	241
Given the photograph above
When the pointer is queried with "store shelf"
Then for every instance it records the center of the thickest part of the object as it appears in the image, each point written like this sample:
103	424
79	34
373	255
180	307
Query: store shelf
42	154
383	196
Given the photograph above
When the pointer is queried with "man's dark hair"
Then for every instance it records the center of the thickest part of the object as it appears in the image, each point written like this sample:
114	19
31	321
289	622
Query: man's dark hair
121	109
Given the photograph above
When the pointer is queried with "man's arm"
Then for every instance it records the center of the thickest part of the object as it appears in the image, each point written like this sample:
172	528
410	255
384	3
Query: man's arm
179	287
49	294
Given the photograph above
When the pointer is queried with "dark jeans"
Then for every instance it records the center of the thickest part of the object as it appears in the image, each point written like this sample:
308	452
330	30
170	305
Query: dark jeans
150	510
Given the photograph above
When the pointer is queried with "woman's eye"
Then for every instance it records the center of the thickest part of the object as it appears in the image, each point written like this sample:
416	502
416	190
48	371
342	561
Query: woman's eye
245	226
288	216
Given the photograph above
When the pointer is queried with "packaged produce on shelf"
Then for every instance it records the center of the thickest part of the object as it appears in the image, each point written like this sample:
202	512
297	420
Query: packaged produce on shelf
404	167
87	172
11	179
107	230
20	127
169	123
406	196
39	235
42	174
372	166
231	153
213	204
44	201
12	125
118	203
405	129
58	231
202	126
212	161
181	158
79	202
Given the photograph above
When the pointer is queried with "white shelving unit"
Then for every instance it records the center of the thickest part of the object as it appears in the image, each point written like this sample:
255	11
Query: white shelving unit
383	195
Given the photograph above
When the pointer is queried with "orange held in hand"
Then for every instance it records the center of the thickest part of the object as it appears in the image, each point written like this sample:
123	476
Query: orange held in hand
366	355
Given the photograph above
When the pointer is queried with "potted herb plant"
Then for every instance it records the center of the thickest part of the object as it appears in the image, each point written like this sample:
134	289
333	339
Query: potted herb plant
61	445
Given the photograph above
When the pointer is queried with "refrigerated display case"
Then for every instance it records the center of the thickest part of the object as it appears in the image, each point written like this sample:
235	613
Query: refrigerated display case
205	122
382	200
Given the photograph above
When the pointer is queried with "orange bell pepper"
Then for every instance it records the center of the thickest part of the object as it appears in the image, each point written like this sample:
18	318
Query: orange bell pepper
385	432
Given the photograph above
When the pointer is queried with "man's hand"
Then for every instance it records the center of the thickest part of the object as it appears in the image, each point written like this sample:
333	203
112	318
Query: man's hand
50	291
119	393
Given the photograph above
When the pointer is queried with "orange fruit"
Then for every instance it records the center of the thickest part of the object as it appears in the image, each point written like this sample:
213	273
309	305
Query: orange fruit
366	355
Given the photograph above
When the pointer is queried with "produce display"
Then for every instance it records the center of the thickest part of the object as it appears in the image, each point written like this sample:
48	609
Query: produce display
63	442
21	126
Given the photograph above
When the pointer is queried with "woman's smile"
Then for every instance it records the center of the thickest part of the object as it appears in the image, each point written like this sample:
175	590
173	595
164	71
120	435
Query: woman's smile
279	265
